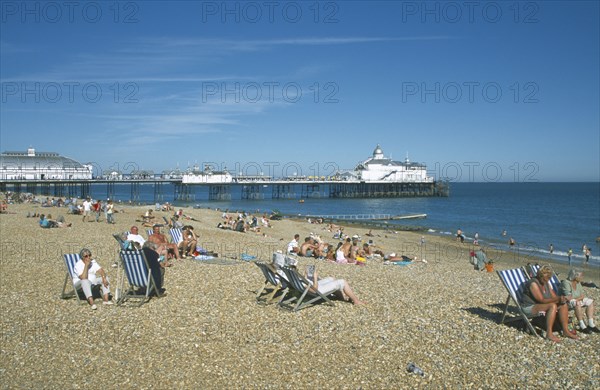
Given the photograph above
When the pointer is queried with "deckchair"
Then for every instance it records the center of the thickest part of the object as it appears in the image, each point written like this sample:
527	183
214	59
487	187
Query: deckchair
149	232
302	287
70	260
532	271
514	280
176	235
138	275
273	282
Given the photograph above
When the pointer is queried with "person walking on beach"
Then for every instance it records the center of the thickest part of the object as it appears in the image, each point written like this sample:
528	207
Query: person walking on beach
569	254
109	212
87	208
97	209
551	249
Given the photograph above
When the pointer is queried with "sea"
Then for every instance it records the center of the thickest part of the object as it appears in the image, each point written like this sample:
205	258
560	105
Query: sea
535	215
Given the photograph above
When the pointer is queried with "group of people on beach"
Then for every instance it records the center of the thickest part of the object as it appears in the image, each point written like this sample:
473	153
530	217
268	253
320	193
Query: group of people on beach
349	250
539	297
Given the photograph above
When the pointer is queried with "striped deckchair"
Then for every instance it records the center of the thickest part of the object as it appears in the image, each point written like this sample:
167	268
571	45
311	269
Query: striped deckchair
70	260
273	282
176	235
138	275
514	280
532	272
149	232
301	286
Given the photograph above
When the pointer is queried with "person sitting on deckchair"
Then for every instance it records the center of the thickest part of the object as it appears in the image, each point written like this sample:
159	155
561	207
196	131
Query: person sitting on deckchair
161	241
571	289
86	271
539	297
189	242
156	264
134	236
331	285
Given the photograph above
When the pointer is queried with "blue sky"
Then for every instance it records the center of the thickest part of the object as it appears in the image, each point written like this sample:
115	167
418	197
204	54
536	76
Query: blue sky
482	91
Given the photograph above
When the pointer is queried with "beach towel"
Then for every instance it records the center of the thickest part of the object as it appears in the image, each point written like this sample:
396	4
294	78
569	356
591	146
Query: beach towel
204	257
402	263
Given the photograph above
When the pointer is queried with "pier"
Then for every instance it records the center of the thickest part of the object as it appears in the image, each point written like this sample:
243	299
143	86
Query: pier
164	189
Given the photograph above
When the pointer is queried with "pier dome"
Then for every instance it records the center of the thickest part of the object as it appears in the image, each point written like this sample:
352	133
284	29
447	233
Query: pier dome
377	153
32	165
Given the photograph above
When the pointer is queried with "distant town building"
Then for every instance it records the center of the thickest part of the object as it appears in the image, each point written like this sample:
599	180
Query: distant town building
32	165
379	168
207	175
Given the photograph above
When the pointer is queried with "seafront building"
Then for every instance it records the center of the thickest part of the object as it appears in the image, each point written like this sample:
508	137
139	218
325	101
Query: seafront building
32	165
379	168
206	176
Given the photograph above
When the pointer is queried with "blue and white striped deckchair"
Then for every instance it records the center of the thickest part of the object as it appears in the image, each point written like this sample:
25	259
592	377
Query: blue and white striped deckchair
176	235
272	281
138	275
514	280
532	272
149	232
70	260
301	286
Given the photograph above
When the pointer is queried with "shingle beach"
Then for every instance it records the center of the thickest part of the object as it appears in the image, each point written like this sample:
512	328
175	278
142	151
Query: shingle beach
210	333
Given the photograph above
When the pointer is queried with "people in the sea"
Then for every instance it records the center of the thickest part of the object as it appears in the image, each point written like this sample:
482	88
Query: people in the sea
587	254
569	254
572	289
539	297
551	249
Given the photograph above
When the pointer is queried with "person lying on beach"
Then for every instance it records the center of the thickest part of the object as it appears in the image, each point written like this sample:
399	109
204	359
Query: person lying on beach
87	273
265	221
330	285
148	215
47	222
162	242
223	226
392	257
539	297
571	289
332	227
